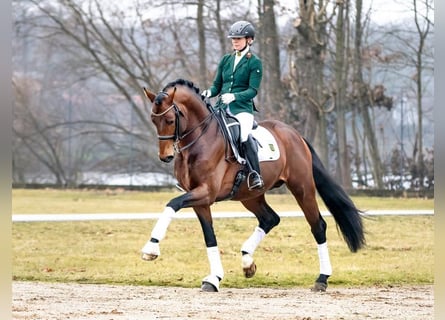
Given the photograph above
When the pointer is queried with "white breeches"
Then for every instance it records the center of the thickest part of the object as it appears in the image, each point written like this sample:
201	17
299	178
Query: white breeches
246	123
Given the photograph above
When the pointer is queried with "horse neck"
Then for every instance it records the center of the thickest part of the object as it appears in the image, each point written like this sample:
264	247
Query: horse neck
196	112
201	129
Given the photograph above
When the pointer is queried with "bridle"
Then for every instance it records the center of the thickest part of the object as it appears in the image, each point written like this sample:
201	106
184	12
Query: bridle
177	136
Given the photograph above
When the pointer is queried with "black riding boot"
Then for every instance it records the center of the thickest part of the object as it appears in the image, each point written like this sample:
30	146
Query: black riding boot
250	150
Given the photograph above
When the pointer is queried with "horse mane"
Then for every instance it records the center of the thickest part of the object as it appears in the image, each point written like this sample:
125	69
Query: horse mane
182	82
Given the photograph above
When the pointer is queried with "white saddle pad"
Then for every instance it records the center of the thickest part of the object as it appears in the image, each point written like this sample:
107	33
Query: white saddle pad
268	147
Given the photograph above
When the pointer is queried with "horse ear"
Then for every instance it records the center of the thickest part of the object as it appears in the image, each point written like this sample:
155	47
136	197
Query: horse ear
173	93
172	96
150	95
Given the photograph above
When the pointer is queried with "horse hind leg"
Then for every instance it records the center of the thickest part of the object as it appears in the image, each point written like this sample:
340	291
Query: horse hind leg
307	201
211	282
267	219
247	250
319	233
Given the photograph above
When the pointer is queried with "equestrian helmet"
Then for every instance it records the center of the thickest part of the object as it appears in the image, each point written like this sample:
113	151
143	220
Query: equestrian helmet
242	29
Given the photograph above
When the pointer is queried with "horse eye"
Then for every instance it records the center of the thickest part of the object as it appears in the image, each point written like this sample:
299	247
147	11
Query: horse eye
169	122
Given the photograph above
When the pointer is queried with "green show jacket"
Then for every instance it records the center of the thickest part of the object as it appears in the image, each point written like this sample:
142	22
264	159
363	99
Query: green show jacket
243	82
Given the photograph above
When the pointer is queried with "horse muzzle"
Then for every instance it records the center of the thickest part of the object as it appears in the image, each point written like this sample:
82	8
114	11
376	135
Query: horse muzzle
166	151
166	159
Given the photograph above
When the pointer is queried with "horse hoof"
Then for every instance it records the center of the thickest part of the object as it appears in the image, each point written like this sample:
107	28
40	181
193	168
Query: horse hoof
250	271
249	266
149	256
319	287
208	287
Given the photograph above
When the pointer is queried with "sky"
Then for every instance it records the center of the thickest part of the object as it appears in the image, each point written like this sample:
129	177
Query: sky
387	11
382	11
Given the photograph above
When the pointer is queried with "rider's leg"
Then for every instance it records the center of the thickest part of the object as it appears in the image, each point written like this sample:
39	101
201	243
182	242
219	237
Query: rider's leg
250	150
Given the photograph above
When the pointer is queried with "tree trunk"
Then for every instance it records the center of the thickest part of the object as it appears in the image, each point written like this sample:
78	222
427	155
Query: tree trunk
309	51
423	33
222	33
271	87
202	45
362	104
343	161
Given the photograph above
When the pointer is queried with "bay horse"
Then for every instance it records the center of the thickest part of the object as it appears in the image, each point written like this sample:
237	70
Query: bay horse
189	132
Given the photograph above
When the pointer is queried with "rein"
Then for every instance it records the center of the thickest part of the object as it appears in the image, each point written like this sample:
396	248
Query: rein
177	136
205	122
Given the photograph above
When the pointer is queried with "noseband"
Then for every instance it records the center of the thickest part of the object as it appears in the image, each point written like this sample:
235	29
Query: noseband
177	137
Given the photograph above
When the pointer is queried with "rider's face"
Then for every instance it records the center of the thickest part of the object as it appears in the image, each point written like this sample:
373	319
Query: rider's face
239	43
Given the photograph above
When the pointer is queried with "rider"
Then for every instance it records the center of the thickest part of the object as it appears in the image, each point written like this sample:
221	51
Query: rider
237	80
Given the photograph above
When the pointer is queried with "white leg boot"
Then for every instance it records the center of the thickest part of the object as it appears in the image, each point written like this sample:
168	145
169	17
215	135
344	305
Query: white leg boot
216	270
151	249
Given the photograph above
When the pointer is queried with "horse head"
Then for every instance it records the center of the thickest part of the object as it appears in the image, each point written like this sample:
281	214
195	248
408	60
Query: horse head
165	116
180	116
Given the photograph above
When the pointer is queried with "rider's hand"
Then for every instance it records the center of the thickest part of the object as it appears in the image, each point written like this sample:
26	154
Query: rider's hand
227	98
206	93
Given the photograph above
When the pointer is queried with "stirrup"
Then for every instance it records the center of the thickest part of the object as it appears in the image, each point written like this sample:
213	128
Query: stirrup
257	181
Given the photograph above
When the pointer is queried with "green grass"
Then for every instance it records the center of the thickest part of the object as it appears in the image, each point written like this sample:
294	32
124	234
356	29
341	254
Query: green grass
399	249
96	201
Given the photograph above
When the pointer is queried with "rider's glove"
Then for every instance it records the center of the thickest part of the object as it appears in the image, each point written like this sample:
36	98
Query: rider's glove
206	93
227	98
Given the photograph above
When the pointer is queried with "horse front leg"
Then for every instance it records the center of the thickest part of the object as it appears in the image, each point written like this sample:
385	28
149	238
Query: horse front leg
151	249
199	200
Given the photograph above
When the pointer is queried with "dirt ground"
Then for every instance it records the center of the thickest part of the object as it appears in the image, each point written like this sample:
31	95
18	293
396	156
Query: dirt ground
41	301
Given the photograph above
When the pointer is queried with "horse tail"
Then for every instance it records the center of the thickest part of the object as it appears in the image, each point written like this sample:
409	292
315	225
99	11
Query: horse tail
344	211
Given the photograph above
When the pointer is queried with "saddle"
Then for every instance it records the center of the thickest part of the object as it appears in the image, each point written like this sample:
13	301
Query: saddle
230	128
267	146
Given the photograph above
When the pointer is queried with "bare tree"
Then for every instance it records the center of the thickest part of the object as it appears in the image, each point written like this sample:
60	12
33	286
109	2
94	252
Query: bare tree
272	89
308	48
98	51
403	57
93	57
341	78
423	25
362	101
202	44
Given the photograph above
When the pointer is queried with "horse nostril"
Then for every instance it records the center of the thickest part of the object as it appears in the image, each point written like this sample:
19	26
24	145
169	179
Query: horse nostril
167	159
